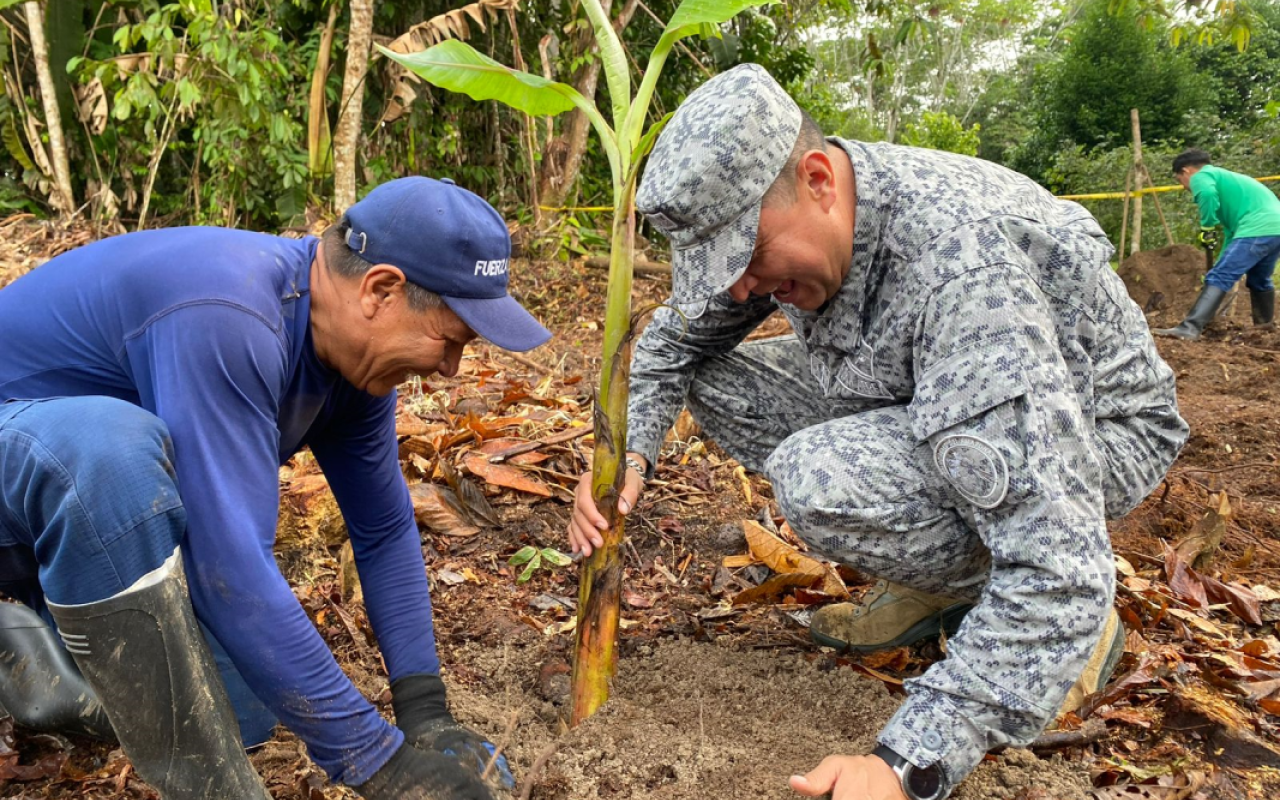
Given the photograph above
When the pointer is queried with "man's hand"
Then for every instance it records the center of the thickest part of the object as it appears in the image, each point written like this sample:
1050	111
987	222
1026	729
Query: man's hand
421	712
850	778
1208	238
587	522
414	775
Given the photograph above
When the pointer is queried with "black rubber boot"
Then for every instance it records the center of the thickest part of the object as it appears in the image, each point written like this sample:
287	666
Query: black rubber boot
40	686
1264	307
1201	315
143	653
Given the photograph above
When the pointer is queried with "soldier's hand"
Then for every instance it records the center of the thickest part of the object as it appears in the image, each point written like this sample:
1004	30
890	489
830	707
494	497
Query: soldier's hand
414	775
850	778
586	524
1208	237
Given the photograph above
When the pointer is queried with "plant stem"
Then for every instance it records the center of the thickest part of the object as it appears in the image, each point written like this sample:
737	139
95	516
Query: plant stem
600	583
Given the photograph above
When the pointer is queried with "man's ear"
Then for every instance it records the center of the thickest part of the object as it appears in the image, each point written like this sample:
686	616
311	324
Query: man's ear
381	288
816	175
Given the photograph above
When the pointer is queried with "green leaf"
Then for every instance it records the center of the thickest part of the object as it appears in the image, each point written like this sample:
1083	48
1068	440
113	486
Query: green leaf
13	144
693	14
529	570
650	136
555	557
458	67
10	3
522	555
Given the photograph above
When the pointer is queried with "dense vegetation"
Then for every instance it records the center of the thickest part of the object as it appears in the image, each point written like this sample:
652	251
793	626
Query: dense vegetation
203	111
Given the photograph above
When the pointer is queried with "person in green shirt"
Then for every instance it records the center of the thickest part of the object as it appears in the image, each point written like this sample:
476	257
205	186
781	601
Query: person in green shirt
1249	214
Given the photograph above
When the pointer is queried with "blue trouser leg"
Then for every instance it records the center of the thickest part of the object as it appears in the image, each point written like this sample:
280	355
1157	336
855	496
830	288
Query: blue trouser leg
1254	256
88	505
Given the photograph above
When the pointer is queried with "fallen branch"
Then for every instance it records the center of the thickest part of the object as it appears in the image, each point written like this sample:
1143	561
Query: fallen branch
526	447
1228	469
528	362
1091	731
502	744
532	777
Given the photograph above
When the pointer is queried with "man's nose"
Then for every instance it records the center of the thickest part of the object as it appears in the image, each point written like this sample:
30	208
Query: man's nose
449	364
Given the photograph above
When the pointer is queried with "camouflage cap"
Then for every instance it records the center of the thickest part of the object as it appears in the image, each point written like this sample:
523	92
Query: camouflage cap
708	174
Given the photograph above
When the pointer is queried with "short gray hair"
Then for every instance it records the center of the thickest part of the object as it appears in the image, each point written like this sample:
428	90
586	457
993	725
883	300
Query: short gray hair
783	191
348	263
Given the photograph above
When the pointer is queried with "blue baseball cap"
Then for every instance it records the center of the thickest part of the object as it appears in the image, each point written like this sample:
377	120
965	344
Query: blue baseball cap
451	242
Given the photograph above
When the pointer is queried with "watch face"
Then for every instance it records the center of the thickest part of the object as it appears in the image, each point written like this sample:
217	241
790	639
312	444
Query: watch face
924	784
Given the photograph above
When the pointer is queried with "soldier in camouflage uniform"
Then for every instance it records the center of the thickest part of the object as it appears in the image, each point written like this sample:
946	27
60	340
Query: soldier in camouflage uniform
969	393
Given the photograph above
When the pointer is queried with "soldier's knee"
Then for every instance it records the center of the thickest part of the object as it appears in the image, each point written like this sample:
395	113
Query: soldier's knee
817	488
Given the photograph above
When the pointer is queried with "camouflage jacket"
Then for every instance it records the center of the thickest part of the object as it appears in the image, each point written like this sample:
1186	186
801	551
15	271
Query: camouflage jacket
989	309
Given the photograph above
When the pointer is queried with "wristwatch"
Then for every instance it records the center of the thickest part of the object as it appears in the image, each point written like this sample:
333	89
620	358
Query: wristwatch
635	465
927	783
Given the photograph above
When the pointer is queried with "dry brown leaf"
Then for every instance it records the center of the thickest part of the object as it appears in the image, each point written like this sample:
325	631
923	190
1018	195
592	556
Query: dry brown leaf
1260	690
470	498
504	475
1261	648
349	578
1201	545
1183	580
774	588
1141	675
1240	599
783	558
1265	593
739	561
1142	718
1198	622
437	508
896	659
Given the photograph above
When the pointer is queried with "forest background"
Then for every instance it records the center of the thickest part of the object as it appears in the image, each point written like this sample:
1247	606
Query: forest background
272	115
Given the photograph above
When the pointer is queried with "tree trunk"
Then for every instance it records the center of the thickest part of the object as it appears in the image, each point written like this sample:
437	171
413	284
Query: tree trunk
347	137
64	199
562	157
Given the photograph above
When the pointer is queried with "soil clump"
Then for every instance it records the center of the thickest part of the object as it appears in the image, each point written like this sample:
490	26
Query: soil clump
1165	283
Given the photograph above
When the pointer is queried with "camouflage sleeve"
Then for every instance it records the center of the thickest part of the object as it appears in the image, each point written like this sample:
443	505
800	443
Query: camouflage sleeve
667	356
994	401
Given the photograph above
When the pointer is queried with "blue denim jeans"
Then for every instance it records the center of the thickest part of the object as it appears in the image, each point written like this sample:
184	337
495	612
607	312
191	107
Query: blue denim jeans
89	504
1254	256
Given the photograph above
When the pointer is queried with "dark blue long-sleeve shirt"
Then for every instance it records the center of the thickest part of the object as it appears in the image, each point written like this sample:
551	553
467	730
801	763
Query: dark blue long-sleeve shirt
209	329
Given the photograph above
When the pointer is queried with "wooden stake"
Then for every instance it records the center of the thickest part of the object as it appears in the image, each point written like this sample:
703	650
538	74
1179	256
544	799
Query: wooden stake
1138	173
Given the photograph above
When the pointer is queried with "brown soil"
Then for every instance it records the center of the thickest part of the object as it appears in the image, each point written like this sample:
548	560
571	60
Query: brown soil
1165	282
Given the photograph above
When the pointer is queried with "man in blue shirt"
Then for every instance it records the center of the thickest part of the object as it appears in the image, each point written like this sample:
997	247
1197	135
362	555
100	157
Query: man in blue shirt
150	387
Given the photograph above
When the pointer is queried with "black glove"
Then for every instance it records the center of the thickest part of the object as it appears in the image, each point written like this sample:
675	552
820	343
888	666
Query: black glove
421	712
414	775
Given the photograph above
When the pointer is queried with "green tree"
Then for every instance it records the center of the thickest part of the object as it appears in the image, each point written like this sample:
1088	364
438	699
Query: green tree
1112	64
942	131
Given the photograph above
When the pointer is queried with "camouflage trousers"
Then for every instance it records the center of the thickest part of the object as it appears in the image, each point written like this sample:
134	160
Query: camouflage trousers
880	504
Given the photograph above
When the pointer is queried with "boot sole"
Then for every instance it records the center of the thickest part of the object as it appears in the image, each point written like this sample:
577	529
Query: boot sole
948	619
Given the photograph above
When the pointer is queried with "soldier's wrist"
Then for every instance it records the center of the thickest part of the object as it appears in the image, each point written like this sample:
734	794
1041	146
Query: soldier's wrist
639	465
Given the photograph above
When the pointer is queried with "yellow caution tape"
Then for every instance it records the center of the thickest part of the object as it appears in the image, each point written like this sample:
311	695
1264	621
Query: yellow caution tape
1149	190
1093	196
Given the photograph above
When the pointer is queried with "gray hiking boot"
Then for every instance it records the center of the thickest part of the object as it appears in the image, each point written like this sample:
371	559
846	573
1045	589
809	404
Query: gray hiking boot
889	615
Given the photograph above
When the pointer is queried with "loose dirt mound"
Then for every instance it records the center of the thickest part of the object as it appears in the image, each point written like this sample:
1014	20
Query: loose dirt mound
697	720
1165	283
